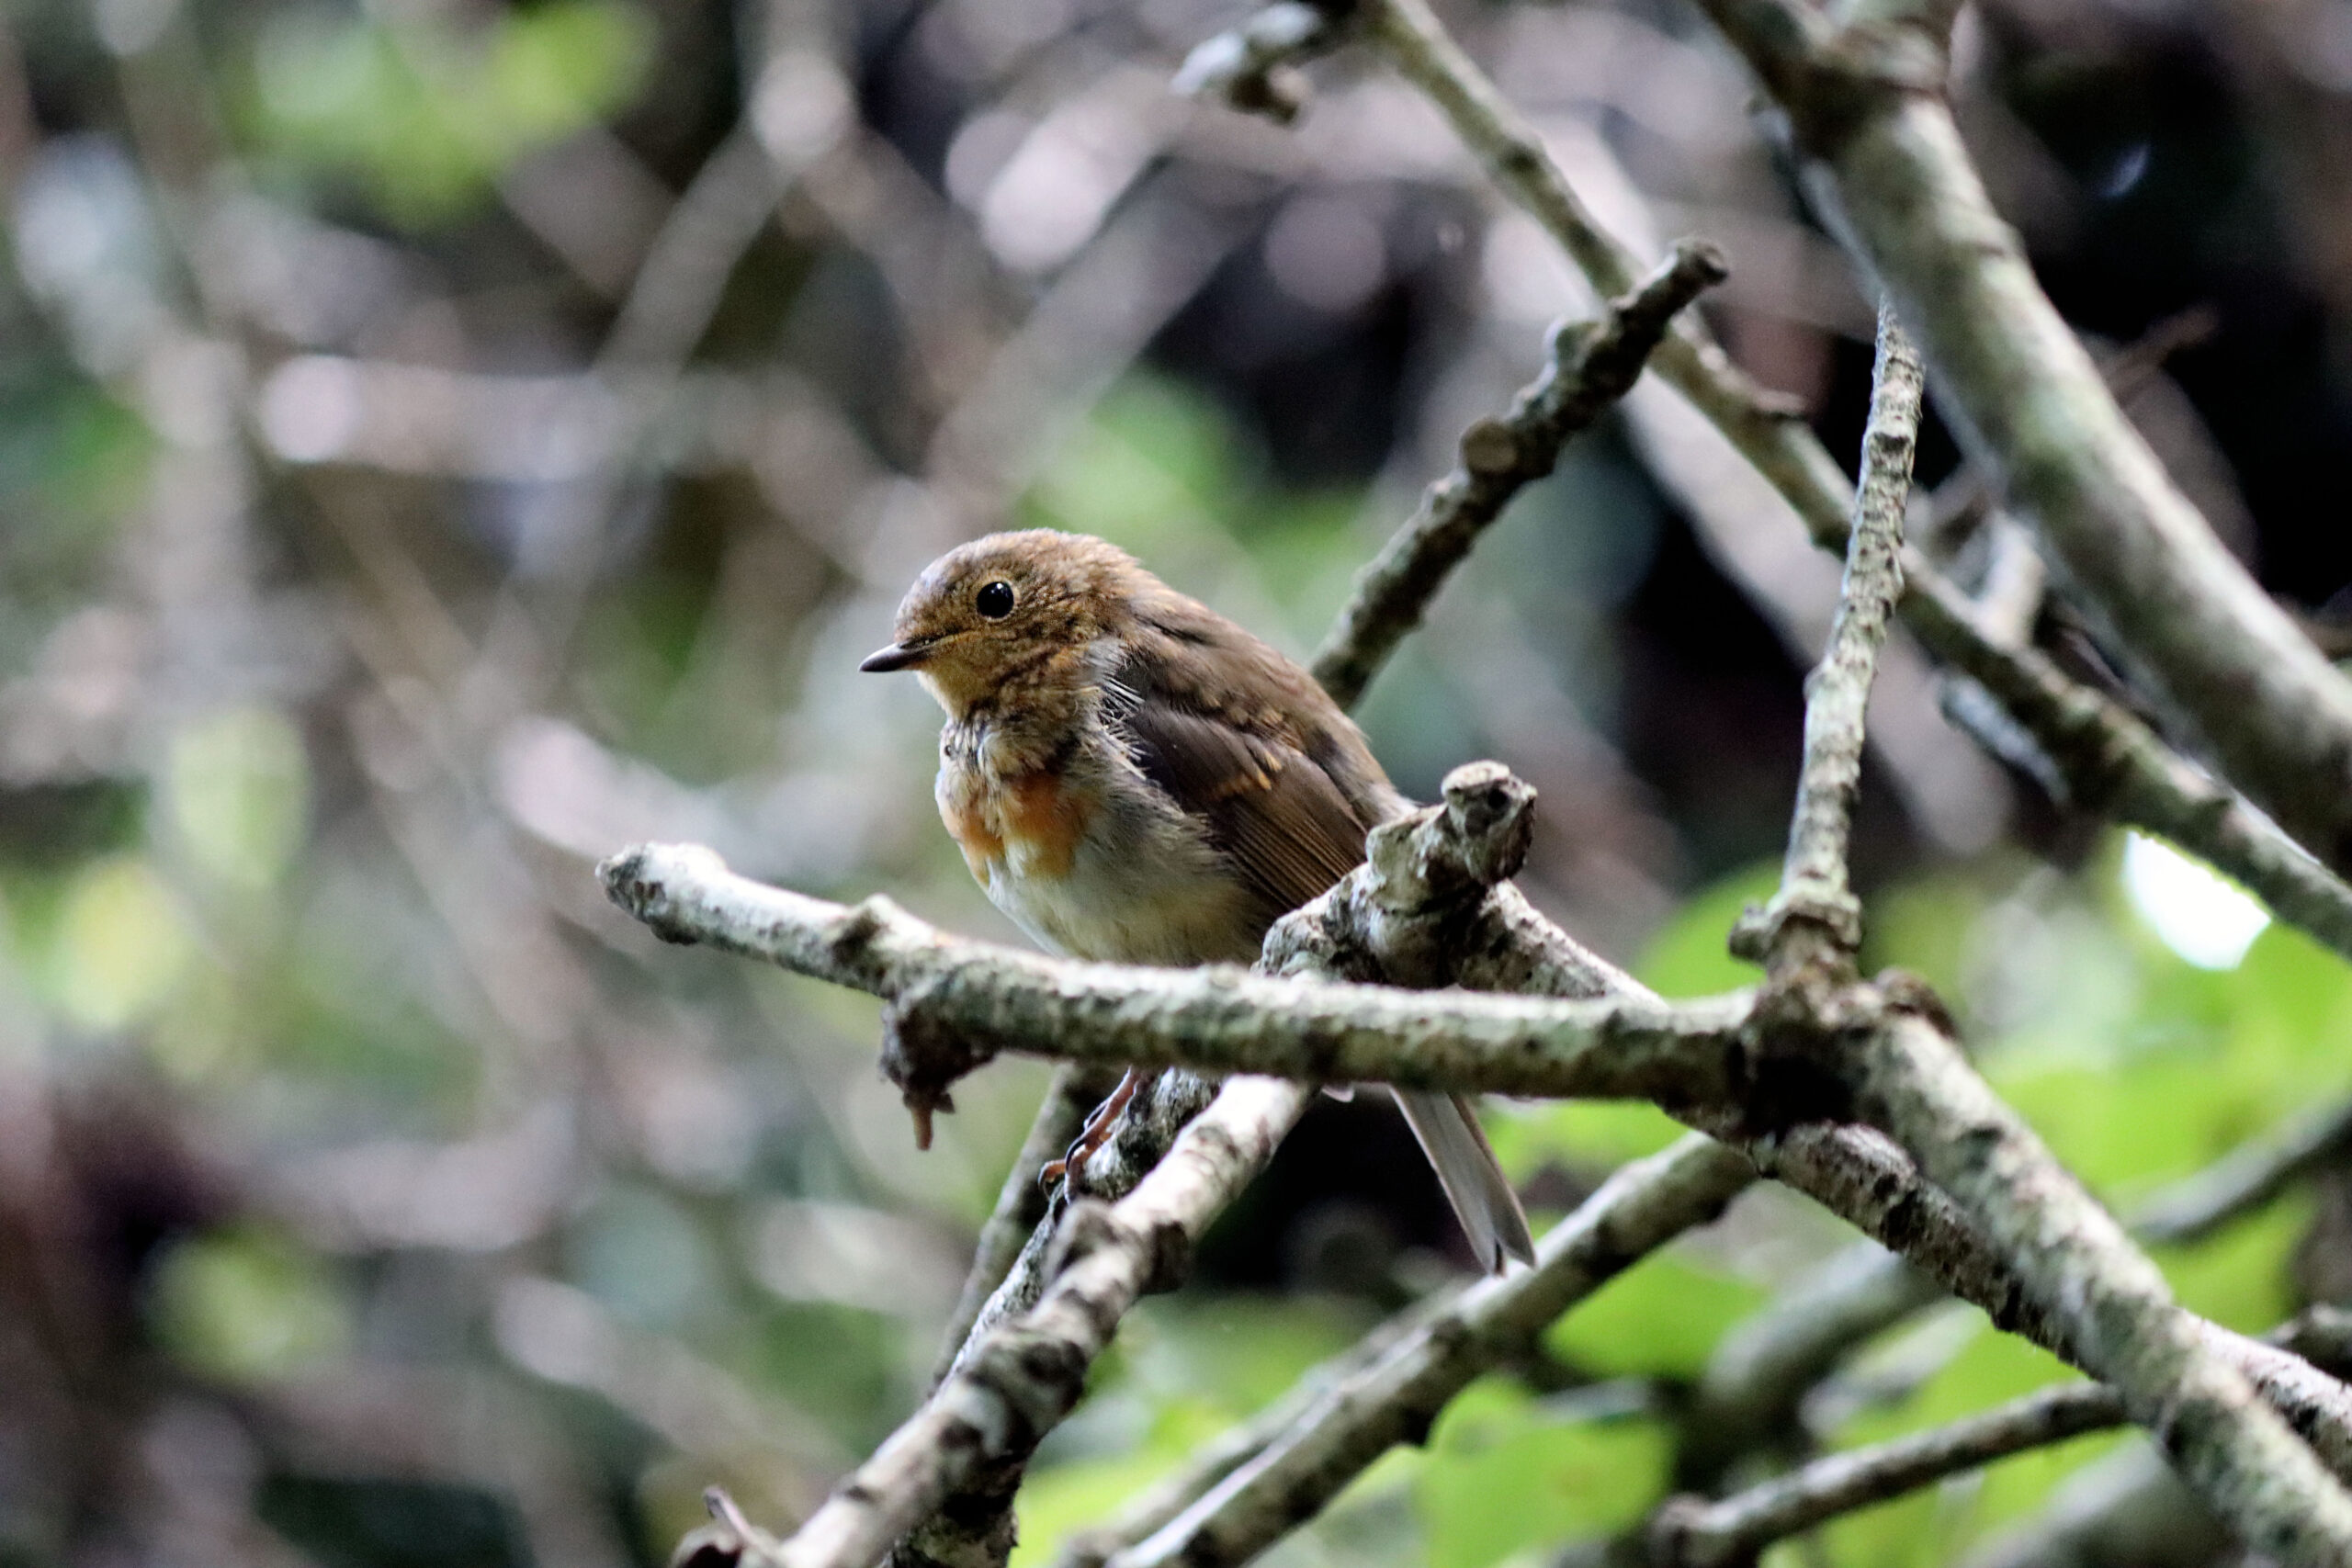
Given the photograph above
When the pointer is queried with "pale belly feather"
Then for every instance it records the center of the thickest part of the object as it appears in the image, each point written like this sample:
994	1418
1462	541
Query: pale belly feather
1117	875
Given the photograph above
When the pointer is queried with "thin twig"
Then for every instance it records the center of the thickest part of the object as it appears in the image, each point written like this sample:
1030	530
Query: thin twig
1687	1533
1588	366
1150	1510
1768	430
2249	1176
1765	1365
2111	762
1690	1533
1814	914
1254	67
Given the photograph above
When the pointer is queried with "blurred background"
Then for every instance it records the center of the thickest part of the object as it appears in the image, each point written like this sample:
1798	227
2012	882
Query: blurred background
441	441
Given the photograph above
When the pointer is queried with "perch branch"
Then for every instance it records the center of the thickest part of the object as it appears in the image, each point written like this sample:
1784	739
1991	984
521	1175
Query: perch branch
1589	365
1422	874
952	1003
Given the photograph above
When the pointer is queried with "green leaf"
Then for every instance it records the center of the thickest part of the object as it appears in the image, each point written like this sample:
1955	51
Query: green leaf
2240	1278
1660	1318
1577	1132
1502	1476
1689	957
237	790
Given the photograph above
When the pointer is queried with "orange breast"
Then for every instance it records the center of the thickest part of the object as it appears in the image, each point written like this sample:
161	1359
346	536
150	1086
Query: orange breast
1031	825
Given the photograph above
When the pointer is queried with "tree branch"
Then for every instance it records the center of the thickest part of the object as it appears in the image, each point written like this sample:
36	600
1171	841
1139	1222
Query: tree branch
1767	1363
1588	366
2119	1315
1691	1533
1254	67
1814	915
1888	168
1896	1051
952	1003
1640	1208
2109	761
1022	1201
1687	1533
2095	739
1024	1376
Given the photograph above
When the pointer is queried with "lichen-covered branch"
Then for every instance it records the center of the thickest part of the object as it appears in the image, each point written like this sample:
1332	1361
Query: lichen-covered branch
2121	1322
2067	1255
1814	914
1766	1364
952	1003
1887	165
1640	1208
1589	365
2094	739
1424	872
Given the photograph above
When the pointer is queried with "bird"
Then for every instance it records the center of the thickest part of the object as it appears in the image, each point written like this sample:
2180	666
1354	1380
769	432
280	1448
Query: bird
1133	778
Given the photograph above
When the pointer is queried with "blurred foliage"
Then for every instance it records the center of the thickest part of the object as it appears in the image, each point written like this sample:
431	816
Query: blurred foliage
372	1195
427	118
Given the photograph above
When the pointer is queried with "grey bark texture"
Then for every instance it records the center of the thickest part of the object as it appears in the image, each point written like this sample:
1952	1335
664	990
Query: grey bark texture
1886	165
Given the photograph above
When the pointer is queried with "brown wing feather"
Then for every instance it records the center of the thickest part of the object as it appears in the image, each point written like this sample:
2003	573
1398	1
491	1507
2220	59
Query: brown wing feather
1244	739
1284	824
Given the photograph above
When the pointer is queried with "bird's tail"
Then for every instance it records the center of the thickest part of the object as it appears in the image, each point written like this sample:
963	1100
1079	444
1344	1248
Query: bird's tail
1447	1126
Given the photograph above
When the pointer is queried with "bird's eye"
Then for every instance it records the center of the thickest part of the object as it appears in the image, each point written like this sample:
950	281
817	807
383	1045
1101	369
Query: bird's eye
994	600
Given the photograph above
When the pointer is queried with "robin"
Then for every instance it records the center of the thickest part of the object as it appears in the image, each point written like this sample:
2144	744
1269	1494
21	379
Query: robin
1135	779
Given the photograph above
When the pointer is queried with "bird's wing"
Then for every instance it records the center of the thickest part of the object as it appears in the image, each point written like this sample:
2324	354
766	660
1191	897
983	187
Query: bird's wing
1275	814
1289	829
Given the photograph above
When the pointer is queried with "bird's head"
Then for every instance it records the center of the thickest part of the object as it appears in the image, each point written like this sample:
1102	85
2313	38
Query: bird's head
1008	609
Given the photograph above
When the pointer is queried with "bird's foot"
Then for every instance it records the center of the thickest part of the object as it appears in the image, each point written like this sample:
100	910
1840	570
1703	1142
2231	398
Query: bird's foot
1094	1133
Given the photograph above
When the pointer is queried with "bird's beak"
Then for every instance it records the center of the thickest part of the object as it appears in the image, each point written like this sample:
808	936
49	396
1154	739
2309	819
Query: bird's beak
897	656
